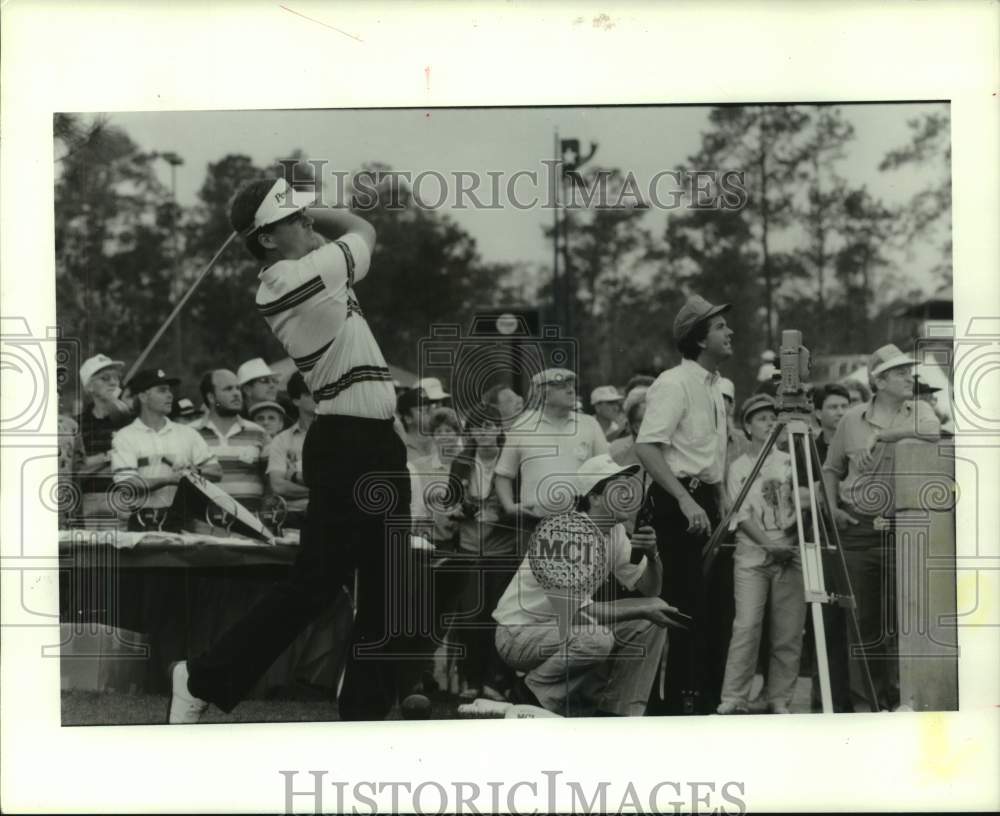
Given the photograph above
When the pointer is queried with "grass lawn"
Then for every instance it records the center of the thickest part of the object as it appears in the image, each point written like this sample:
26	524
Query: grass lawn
113	708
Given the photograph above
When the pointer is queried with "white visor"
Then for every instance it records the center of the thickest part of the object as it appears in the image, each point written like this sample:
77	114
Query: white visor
280	202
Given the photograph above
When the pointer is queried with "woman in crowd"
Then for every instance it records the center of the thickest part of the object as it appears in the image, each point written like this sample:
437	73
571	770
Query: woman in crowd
434	505
489	543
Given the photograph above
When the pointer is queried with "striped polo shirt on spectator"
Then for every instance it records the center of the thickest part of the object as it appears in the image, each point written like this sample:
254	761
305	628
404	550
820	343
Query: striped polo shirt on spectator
242	453
311	307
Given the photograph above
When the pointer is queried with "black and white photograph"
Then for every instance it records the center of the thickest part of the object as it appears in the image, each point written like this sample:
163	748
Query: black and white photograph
354	423
466	427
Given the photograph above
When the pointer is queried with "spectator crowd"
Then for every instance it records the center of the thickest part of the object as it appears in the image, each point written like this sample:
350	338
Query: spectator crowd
484	476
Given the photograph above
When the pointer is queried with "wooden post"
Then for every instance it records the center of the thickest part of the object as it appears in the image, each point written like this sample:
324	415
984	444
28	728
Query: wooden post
924	489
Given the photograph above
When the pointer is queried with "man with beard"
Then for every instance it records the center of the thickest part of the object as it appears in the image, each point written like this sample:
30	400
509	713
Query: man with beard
682	444
239	444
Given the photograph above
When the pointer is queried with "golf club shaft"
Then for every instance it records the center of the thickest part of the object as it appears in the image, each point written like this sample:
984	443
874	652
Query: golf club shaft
180	305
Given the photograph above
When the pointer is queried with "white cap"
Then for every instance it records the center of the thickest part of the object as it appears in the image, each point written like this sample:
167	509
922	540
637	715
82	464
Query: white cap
552	375
767	356
432	389
598	468
252	369
727	388
280	202
276	406
605	393
95	364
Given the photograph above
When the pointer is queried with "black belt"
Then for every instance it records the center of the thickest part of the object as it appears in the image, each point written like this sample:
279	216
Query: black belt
692	483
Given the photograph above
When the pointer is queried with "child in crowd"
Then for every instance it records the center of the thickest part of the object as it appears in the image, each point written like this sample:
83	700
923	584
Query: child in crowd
766	569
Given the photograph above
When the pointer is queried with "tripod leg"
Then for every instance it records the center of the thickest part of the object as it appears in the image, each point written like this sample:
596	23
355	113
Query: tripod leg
810	551
819	635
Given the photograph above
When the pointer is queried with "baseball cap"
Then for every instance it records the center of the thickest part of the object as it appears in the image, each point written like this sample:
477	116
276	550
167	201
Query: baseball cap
888	356
755	403
605	393
252	370
552	375
432	388
185	407
767	356
921	387
96	364
694	310
598	469
280	202
148	378
257	406
727	388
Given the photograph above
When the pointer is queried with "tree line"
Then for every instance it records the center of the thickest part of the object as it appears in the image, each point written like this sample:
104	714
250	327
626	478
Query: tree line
807	251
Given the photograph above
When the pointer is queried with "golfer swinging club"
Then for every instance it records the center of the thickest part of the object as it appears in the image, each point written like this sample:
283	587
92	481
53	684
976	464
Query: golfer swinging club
312	257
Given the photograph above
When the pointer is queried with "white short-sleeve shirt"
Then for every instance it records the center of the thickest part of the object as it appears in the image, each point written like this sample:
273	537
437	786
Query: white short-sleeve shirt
138	450
546	454
686	412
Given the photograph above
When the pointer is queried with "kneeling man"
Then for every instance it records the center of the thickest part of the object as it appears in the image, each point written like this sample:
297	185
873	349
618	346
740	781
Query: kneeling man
606	663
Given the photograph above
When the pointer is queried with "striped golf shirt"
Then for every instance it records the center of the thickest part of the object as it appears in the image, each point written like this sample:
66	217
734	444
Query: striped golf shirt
242	453
311	307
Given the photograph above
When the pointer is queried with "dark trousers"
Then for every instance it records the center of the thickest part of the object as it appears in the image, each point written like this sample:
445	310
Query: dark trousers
873	579
695	658
359	497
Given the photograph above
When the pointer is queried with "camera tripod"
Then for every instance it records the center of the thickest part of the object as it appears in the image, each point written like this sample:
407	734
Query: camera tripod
815	533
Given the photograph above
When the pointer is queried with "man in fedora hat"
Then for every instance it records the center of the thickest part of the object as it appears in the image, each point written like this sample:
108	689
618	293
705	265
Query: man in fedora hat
682	444
858	479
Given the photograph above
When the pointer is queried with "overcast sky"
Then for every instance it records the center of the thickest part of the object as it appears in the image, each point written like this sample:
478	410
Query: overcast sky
644	140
